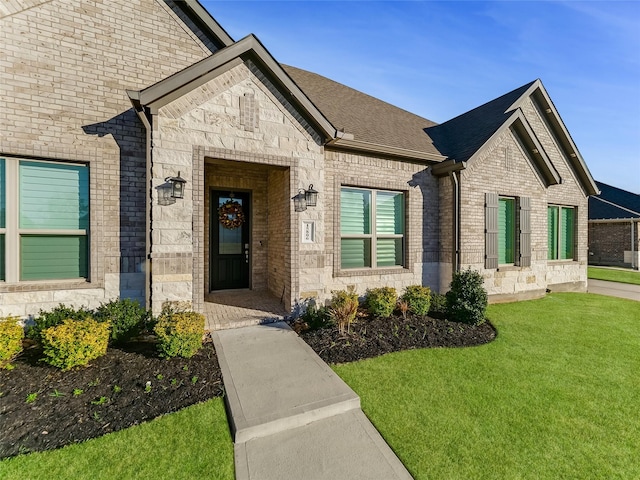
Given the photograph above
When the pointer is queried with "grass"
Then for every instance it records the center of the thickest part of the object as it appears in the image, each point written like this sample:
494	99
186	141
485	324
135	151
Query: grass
614	275
554	396
192	443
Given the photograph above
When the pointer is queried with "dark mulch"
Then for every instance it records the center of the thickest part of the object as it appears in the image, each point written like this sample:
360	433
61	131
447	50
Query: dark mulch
371	337
57	417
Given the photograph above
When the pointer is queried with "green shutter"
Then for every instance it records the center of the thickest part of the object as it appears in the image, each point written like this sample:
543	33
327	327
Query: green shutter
567	226
491	230
3	201
54	196
48	257
355	211
389	213
552	233
355	253
506	230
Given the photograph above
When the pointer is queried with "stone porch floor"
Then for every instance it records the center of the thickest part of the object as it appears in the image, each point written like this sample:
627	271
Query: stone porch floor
241	308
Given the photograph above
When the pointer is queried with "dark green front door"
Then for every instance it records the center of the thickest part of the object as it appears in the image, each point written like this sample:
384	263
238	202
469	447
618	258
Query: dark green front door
229	240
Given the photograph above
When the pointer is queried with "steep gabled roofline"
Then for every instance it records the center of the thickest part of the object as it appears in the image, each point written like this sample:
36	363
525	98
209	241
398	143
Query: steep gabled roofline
205	17
558	128
249	48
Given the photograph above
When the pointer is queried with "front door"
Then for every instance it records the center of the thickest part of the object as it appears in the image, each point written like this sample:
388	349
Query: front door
229	239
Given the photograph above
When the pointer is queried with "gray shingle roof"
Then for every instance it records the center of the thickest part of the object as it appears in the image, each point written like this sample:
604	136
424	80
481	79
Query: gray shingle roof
462	136
367	118
613	203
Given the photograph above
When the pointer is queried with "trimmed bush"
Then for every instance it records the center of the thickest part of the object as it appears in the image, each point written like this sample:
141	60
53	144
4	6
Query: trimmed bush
127	318
55	317
380	302
418	298
316	317
343	308
438	307
179	333
467	299
11	335
75	343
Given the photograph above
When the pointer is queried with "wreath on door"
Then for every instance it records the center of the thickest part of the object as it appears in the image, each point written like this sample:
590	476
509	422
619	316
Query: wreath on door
230	215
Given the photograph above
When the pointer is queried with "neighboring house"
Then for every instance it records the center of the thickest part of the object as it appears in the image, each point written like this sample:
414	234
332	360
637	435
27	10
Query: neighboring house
107	103
614	227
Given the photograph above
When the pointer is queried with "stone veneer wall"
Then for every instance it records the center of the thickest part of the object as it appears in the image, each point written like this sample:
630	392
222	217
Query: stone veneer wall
66	66
504	168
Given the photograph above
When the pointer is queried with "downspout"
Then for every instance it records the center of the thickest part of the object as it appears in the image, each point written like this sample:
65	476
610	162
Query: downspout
149	147
456	220
633	246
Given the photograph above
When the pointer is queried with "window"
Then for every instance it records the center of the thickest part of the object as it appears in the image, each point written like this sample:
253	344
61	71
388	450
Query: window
507	231
44	220
371	228
560	233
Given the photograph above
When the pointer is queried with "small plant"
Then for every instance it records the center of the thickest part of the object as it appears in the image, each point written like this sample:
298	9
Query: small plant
96	416
75	343
438	307
117	389
77	392
11	335
100	401
159	376
316	317
418	298
344	308
179	332
174	382
56	394
31	397
185	368
467	298
126	317
94	383
55	317
403	307
380	302
147	387
194	379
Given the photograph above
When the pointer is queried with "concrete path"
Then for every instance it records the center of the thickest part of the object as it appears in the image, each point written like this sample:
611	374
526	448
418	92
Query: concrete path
614	289
291	416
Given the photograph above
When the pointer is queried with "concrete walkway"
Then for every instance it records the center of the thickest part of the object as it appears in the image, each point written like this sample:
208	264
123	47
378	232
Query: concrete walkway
614	289
291	416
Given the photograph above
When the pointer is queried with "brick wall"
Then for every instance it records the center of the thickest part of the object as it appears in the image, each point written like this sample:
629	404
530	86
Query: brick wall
65	67
610	243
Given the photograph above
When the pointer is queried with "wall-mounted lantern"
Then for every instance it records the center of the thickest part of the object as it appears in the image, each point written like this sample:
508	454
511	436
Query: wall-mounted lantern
305	198
177	186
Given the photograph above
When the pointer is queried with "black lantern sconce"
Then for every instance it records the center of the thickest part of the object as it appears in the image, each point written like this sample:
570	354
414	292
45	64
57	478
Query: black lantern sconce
177	186
305	198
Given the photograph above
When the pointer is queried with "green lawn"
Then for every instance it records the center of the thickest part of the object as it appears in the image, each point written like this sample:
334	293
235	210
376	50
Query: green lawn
556	395
190	444
614	275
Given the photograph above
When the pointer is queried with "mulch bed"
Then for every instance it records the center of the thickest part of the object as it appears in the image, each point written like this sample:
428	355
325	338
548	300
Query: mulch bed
371	337
114	395
114	387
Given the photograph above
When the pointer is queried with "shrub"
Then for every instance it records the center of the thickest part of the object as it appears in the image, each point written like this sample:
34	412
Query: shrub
55	317
11	335
343	308
438	307
467	299
316	317
179	332
418	298
75	342
127	318
380	302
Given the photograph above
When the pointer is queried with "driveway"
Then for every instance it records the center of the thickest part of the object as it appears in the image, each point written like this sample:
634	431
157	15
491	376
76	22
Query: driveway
614	289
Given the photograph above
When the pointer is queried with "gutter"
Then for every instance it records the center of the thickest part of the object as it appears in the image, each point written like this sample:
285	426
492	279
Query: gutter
346	141
135	100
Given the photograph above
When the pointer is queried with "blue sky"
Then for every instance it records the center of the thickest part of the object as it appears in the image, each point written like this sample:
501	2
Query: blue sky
439	59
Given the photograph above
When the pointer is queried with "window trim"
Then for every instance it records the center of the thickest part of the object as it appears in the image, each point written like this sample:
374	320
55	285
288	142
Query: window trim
13	232
560	207
522	227
513	231
373	236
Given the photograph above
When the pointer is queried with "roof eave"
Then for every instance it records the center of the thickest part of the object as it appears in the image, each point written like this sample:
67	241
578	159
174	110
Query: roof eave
445	168
387	150
205	17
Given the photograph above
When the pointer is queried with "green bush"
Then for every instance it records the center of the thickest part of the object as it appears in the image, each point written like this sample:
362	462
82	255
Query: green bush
438	307
316	317
55	317
343	308
127	318
418	298
380	302
11	335
467	299
179	333
75	342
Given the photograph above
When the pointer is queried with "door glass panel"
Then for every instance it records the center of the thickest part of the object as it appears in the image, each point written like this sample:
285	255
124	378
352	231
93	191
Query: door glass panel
229	239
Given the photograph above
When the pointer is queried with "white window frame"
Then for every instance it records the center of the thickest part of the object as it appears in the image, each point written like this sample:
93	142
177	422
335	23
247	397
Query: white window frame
374	236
